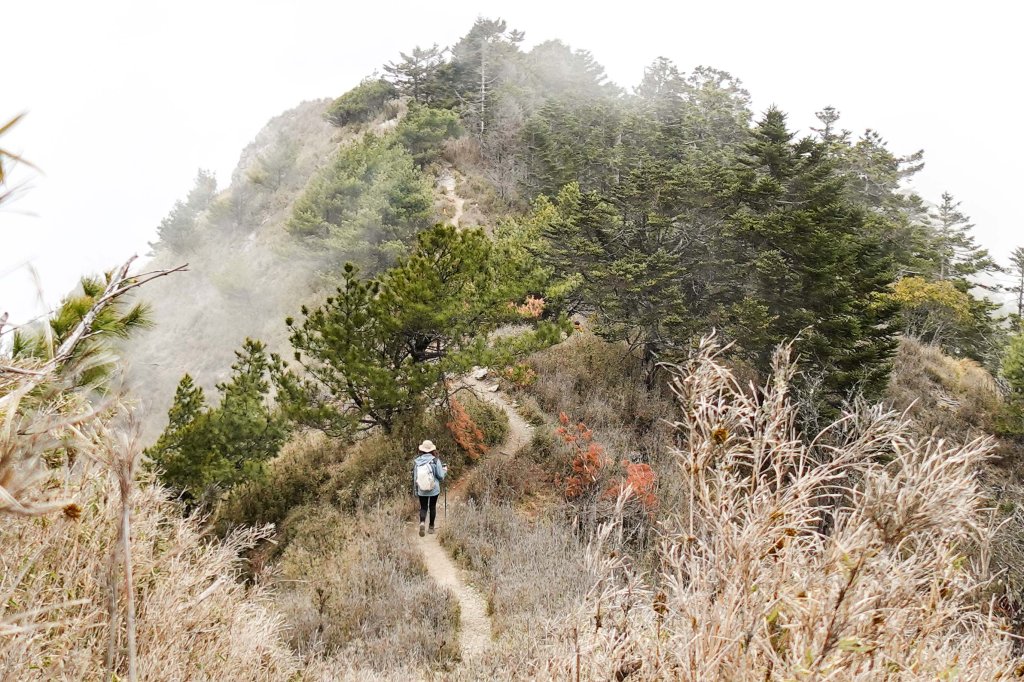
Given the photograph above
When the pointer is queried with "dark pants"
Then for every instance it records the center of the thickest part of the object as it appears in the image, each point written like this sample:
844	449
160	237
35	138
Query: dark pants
430	500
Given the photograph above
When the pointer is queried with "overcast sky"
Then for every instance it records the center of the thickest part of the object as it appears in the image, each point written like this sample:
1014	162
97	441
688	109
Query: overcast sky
127	99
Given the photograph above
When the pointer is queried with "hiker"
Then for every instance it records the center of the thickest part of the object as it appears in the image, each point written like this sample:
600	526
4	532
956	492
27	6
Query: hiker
427	473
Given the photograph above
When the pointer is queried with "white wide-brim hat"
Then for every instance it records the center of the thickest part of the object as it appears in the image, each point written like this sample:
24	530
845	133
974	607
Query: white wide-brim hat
427	446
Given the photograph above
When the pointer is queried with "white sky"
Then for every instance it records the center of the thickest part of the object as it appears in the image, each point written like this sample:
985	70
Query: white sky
127	99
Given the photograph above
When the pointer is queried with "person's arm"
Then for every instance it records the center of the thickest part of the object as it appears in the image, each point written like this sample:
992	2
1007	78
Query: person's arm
440	469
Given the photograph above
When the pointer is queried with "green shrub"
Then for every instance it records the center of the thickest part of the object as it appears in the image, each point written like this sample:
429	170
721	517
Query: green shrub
492	420
362	103
424	130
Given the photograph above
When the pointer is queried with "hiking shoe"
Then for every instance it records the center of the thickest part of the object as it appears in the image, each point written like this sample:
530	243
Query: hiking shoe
431	530
421	530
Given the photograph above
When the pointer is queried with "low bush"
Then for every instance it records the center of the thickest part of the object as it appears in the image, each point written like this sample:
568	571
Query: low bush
314	468
491	420
295	477
943	395
530	572
504	479
192	614
355	589
362	103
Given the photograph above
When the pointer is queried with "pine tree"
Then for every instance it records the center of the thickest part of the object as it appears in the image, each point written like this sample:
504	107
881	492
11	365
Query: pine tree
416	74
719	112
662	91
204	450
361	103
379	349
92	365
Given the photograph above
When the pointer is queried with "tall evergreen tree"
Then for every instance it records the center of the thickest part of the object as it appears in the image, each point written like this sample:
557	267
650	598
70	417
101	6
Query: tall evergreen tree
416	75
808	258
178	231
957	254
204	450
1017	269
477	68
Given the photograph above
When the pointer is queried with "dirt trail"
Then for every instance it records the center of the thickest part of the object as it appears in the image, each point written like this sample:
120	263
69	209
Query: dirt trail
475	625
519	432
446	181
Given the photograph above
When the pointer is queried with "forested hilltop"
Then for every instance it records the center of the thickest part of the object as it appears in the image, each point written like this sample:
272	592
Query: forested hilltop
750	407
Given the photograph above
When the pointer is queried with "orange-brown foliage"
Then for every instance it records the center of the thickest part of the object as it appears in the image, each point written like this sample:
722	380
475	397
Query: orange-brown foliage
532	308
592	470
465	431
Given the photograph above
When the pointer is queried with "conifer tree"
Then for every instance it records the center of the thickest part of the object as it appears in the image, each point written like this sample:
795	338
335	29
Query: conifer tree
808	258
204	450
177	232
957	254
1017	270
117	320
1012	370
378	349
417	73
477	68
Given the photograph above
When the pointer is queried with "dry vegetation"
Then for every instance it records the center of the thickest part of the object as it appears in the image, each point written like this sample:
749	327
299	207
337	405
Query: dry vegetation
355	592
958	400
943	396
844	562
100	576
194	620
529	572
861	556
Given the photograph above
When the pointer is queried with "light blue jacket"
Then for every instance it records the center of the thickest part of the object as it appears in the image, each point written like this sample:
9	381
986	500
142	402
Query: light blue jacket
438	474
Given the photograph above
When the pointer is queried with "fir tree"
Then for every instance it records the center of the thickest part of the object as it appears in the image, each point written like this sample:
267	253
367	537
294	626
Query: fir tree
957	254
809	259
1017	270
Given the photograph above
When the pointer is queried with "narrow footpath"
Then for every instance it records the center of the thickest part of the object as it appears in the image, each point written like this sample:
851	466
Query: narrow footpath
475	625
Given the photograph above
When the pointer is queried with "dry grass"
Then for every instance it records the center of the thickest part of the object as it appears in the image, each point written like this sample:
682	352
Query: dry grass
602	385
788	564
194	620
529	572
958	400
943	396
356	593
118	585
